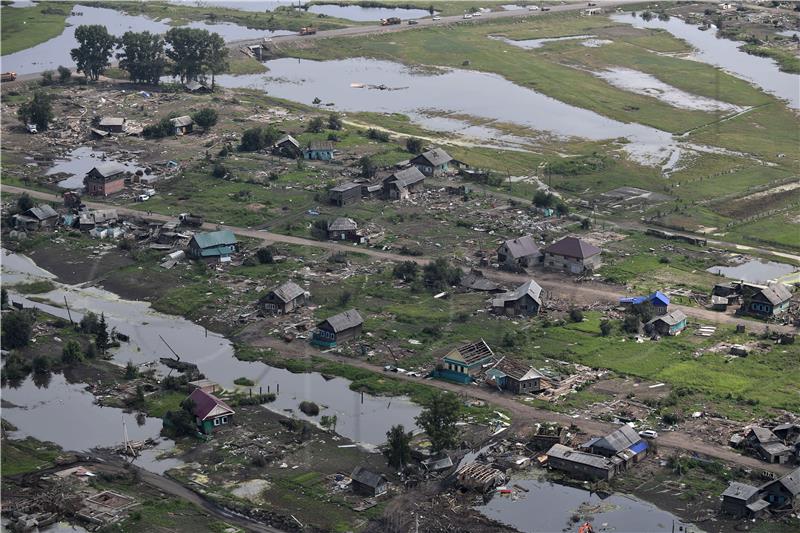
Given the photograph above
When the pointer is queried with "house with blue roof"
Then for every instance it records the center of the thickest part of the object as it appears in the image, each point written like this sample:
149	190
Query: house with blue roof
657	300
212	244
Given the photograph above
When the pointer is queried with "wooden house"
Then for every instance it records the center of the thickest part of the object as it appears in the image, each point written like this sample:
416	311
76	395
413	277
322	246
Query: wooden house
525	300
515	376
518	253
344	194
433	162
621	439
658	302
768	301
209	411
337	329
741	500
783	493
182	125
400	185
41	216
465	362
212	244
572	255
343	229
286	298
368	483
112	124
669	324
287	146
580	465
105	179
319	150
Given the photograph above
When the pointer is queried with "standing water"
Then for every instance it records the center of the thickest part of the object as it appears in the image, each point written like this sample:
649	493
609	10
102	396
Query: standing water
78	163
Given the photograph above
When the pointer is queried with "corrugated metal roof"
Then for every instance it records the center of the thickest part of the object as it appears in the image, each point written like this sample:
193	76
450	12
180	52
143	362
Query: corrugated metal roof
215	238
531	288
573	247
433	158
346	186
367	477
288	291
522	247
343	321
739	491
566	453
108	169
406	177
343	224
42	212
620	439
671	319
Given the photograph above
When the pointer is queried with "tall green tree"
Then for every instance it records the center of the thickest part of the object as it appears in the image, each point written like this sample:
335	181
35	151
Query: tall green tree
17	327
24	202
215	56
72	353
94	50
187	50
102	339
334	121
206	117
438	420
414	145
142	56
399	446
37	110
368	167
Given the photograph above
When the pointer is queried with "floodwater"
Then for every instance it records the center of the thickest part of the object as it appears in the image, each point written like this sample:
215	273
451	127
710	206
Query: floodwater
755	271
360	418
548	507
643	83
367	14
79	162
257	6
530	44
50	54
415	92
760	71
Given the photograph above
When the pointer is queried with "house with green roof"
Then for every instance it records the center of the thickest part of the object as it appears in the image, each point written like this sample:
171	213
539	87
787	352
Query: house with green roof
212	244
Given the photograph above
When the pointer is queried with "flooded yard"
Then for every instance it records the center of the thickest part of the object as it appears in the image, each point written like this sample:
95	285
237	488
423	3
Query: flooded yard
367	14
79	162
530	44
755	271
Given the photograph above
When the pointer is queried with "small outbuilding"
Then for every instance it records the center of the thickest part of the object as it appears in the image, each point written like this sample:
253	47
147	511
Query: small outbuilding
209	411
196	87
105	179
344	194
343	229
286	298
319	150
337	329
433	162
518	253
287	146
368	483
112	124
783	493
402	184
515	376
669	324
572	255
741	500
212	244
525	300
658	302
182	125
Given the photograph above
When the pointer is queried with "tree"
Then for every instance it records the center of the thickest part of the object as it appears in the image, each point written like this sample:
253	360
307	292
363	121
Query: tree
440	275
586	224
264	256
368	167
41	364
187	50
315	125
220	170
94	50
543	198
47	77
605	328
142	56
139	398
215	56
256	139
91	351
37	111
206	118
407	270
71	353
562	209
334	122
399	446
24	202
101	338
3	298
17	327
89	323
631	324
414	145
131	372
64	74
438	420
576	315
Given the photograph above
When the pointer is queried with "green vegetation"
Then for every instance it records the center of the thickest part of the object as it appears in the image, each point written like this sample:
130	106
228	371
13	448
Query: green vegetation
24	27
33	287
27	455
786	59
244	382
158	404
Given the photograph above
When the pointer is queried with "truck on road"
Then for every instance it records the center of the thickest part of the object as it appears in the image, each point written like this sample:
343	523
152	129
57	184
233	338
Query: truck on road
310	30
8	76
390	21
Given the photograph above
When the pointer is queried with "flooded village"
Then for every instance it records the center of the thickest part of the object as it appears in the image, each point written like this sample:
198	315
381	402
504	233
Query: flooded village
380	266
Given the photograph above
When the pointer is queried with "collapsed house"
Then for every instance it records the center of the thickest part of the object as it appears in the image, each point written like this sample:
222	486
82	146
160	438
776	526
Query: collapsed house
515	376
286	298
337	329
476	281
462	364
89	220
525	300
479	477
764	443
572	255
518	253
402	184
287	146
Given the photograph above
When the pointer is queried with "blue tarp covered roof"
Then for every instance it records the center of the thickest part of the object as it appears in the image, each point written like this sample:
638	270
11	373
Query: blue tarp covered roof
657	298
639	447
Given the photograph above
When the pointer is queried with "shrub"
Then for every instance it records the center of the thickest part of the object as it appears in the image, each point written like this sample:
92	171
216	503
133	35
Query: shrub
265	256
378	135
64	74
407	270
244	382
315	125
414	145
309	408
206	118
219	170
334	122
71	353
576	315
17	328
605	328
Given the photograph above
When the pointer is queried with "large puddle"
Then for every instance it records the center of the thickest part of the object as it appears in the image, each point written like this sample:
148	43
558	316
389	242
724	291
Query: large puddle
760	71
549	507
755	271
413	92
349	12
530	44
360	418
50	54
79	162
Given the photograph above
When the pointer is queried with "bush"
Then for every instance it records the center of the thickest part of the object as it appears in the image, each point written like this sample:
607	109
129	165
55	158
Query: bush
24	202
71	353
319	229
414	145
265	256
344	298
41	364
315	125
605	328
407	270
244	382
440	275
206	118
664	260
631	324
131	372
576	315
47	77
17	328
220	171
543	199
159	130
259	138
309	408
64	74
377	135
368	167
670	419
334	122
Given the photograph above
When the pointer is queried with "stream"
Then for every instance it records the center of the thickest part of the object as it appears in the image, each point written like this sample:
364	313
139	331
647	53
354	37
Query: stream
45	412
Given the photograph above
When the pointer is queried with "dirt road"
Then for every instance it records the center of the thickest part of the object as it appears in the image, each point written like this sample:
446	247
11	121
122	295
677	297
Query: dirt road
557	285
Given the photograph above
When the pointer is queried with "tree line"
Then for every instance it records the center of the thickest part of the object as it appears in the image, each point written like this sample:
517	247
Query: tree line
185	53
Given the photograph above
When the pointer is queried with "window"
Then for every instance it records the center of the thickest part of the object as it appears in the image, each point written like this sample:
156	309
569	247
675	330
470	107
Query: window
223	420
216	421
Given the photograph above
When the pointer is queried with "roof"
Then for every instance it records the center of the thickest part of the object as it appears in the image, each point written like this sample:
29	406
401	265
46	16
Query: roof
758	505
288	138
791	481
620	439
573	247
42	212
434	157
531	288
108	169
776	293
516	369
775	448
208	406
180	122
195	85
559	451
763	435
367	477
739	491
112	121
639	447
477	281
521	247
346	186
343	224
658	297
343	321
288	291
215	238
321	145
404	178
471	353
435	465
672	318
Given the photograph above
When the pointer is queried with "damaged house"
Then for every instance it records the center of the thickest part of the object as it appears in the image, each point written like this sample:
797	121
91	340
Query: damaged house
343	229
515	376
479	477
344	194
768	301
89	220
518	253
433	162
580	465
525	300
741	500
622	446
287	146
212	244
657	301
286	298
41	216
465	362
669	324
182	125
402	184
112	124
476	281
105	179
572	255
368	483
767	445
337	329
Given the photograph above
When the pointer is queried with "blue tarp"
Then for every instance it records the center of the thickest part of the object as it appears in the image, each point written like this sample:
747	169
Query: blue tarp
639	447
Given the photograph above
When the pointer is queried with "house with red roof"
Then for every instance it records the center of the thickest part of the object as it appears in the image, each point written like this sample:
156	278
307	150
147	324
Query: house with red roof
209	411
572	255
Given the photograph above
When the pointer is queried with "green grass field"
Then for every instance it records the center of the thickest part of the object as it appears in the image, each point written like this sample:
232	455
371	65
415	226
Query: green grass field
27	455
23	27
